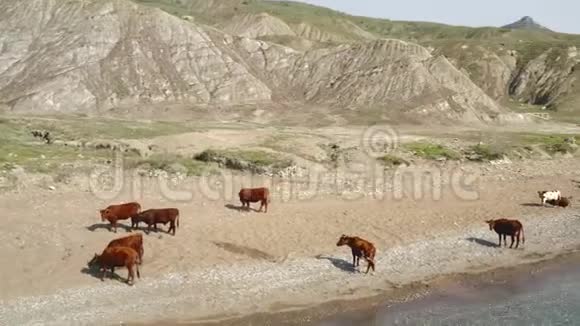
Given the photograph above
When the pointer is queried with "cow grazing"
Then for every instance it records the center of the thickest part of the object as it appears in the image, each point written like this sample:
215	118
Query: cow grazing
114	213
117	257
562	202
549	195
504	227
254	195
359	247
157	215
133	241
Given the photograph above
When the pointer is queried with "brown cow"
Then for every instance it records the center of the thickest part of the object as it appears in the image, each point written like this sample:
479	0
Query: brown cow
117	257
254	195
114	213
562	202
133	241
157	215
504	227
359	247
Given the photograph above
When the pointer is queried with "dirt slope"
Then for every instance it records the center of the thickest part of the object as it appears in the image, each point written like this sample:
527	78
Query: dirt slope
518	62
83	56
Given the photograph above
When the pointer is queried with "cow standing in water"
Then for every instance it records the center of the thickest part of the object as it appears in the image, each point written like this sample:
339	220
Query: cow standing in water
254	195
504	227
359	247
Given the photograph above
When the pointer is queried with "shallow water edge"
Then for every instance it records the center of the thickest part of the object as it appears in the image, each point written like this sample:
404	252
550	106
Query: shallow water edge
359	311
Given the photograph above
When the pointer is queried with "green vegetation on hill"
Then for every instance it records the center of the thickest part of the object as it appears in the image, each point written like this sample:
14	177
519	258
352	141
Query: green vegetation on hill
447	40
328	20
18	147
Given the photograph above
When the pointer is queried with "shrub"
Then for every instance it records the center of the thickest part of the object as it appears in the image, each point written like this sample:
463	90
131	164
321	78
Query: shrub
391	160
251	160
483	153
433	151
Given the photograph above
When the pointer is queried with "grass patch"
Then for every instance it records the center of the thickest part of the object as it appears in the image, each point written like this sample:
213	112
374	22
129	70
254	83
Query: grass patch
245	160
83	129
41	158
392	160
552	144
432	151
168	163
484	153
19	148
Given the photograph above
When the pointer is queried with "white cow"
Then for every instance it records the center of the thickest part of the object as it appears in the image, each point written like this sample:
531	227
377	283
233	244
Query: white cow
549	195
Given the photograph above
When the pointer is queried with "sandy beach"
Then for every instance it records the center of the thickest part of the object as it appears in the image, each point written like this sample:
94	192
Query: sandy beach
224	263
403	304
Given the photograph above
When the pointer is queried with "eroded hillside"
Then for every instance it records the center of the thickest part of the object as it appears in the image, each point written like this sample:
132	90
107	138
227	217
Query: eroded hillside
83	56
93	56
521	62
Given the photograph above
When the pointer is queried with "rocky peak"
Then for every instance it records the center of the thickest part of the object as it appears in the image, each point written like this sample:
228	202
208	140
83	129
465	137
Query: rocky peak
526	22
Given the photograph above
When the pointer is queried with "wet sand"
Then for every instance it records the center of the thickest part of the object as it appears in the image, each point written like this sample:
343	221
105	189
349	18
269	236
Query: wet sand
453	289
539	293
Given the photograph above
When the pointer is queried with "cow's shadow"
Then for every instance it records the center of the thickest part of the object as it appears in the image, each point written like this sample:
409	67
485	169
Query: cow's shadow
483	242
94	272
338	263
127	228
240	208
533	205
160	228
107	226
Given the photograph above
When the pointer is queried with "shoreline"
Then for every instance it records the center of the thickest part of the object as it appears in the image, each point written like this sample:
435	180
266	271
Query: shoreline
395	298
332	284
218	294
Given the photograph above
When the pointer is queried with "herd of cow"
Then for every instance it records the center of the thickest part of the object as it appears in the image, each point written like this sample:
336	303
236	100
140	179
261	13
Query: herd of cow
128	251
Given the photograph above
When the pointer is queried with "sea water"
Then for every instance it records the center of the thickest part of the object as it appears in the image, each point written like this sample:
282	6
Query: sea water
549	298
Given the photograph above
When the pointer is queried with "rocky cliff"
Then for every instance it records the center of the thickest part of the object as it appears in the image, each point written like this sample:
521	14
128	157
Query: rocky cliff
547	78
394	74
498	60
93	55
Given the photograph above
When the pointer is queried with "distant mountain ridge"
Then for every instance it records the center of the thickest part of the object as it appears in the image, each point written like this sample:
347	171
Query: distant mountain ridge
527	23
